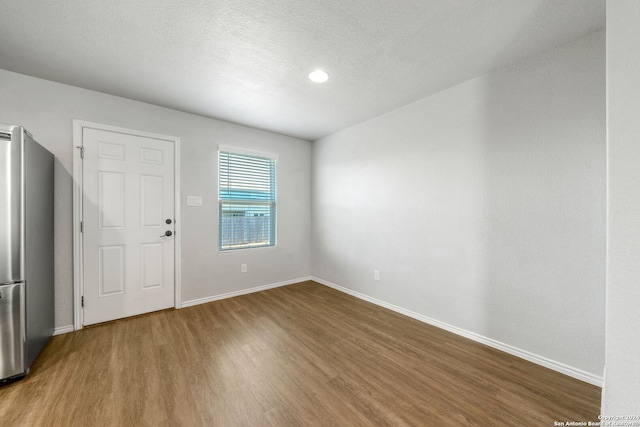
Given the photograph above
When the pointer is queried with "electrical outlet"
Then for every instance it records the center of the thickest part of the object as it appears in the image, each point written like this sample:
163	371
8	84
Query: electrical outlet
243	268
376	274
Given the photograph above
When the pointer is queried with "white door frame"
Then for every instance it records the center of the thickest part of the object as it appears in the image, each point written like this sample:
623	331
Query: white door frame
78	261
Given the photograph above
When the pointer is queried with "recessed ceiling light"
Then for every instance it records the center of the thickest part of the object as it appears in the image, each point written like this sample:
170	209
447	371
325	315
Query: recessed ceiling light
319	76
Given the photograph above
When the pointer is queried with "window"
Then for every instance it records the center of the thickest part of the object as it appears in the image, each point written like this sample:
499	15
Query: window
247	198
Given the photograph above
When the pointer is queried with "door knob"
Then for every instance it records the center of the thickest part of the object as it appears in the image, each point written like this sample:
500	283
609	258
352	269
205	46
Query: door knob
168	221
167	233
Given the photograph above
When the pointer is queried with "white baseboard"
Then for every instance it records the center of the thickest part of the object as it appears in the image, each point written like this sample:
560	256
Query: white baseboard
523	354
242	292
63	330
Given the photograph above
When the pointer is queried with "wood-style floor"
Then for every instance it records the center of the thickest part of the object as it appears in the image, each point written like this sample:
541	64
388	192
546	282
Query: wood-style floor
301	355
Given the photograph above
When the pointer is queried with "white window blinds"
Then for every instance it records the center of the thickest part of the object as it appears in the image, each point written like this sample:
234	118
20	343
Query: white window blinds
247	198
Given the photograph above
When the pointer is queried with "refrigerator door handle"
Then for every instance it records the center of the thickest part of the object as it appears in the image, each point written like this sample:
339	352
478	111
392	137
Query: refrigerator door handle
12	333
12	206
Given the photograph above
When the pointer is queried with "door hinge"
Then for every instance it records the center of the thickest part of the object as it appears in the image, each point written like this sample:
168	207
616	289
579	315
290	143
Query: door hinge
82	226
82	301
81	148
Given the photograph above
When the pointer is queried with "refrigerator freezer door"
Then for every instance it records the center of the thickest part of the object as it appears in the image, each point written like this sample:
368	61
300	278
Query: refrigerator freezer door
11	203
11	330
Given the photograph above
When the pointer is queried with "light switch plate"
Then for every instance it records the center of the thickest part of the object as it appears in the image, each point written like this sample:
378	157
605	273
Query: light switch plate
194	201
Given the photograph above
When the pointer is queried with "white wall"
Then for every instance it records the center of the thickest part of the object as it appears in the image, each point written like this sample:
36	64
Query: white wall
483	206
621	393
46	109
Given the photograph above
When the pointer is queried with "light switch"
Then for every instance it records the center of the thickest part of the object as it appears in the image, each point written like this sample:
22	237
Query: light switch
194	201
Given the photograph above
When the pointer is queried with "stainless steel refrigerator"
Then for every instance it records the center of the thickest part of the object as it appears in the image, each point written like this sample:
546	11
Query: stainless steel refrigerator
26	251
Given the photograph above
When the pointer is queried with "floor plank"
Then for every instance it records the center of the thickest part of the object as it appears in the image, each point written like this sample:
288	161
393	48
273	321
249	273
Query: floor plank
300	355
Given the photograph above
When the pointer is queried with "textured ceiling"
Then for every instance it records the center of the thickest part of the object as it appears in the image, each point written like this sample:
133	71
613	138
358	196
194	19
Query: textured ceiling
247	61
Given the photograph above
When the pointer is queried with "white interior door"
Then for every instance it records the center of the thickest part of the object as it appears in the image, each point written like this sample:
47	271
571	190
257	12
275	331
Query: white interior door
128	225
